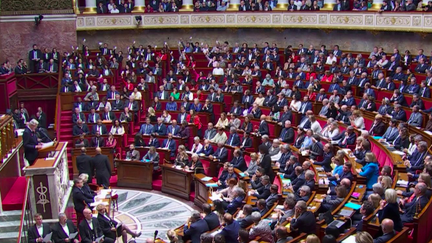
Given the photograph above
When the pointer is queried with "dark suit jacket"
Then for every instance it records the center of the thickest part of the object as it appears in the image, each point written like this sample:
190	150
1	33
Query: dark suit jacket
84	164
195	230
207	151
117	105
247	143
59	235
87	235
42	120
233	140
384	238
29	143
102	169
33	233
230	232
212	220
80	199
306	223
221	156
239	163
103	129
263	128
160	129
106	226
171	146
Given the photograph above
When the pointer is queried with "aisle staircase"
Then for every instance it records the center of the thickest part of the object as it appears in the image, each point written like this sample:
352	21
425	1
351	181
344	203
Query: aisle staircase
9	226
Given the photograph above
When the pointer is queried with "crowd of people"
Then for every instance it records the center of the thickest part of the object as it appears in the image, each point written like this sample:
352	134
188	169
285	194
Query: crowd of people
264	72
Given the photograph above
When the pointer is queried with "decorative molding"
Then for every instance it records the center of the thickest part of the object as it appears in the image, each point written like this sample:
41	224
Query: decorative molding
417	21
30	18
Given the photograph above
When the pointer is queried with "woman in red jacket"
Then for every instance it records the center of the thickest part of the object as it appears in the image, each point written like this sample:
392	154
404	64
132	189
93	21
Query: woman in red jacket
194	118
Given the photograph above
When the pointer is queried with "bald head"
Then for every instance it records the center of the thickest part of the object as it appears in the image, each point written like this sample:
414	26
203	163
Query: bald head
98	150
228	218
387	226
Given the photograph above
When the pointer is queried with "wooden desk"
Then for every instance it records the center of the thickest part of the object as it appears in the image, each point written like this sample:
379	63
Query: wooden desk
202	192
176	181
134	174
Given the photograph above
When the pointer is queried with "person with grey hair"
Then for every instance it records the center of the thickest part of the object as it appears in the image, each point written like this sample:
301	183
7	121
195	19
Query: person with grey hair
265	141
197	146
324	109
274	150
385	108
304	193
416	118
398	113
264	191
378	189
415	162
86	188
30	142
260	228
303	220
233	138
237	202
287	134
285	151
63	229
194	227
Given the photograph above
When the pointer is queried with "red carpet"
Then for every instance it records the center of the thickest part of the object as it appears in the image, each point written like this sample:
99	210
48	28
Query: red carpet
15	197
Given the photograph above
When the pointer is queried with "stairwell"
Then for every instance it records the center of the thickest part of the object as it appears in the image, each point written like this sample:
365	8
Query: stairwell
9	226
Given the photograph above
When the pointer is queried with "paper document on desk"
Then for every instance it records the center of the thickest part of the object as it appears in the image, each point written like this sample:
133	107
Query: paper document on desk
20	132
73	235
402	183
47	145
94	204
304	153
212	185
207	178
215	196
350	239
430	133
47	237
398	152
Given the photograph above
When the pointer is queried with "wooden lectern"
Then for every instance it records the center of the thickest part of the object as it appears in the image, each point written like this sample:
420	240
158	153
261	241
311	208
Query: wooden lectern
176	181
50	186
135	174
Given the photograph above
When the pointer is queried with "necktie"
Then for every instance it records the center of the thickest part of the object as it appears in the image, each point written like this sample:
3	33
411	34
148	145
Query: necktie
220	152
231	138
168	143
97	142
283	133
107	117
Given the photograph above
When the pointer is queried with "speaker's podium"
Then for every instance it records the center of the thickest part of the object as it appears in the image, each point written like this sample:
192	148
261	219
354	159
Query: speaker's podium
50	186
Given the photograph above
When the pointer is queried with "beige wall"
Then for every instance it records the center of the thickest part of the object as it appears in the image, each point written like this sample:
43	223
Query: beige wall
347	40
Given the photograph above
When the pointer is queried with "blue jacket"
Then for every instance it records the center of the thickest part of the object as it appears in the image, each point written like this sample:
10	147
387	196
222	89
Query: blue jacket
230	232
207	151
171	146
160	129
371	172
233	140
176	130
195	230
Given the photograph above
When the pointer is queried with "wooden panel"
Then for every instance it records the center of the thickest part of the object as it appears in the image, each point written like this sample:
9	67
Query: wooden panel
134	174
176	182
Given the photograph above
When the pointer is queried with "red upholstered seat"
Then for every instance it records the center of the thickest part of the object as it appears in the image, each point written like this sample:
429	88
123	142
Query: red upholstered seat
206	165
247	159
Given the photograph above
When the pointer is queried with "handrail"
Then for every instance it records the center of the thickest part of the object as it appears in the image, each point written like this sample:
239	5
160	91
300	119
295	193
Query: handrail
26	214
57	115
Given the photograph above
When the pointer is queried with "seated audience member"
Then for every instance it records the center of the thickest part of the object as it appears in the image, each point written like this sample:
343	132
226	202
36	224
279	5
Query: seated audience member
260	228
210	217
81	142
239	195
152	156
303	221
220	136
80	128
97	141
388	230
264	191
415	161
389	209
195	165
110	227
329	203
89	229
245	216
231	231
221	153
207	148
366	210
370	170
416	205
39	230
304	193
226	175
170	144
63	229
196	146
194	227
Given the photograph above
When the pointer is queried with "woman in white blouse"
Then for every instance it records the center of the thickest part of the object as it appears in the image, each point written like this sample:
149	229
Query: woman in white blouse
166	117
330	59
331	130
260	99
104	103
315	126
357	120
295	104
223	121
197	146
136	94
117	128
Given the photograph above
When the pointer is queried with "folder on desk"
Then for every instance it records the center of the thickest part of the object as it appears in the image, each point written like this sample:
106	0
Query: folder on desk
212	185
377	137
242	174
206	178
353	206
346	212
355	195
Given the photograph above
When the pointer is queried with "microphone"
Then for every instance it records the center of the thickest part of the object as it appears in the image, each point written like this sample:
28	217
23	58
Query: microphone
155	234
41	131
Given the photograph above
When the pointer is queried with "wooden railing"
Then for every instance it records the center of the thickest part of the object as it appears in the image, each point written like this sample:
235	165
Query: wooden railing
26	215
37	81
7	136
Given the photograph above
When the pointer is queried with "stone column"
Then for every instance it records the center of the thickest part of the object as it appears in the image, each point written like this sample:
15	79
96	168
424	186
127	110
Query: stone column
328	5
139	6
90	7
187	6
282	5
376	5
233	5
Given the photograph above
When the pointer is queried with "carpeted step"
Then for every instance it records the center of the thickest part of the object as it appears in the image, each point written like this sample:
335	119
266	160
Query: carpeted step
157	184
15	197
192	196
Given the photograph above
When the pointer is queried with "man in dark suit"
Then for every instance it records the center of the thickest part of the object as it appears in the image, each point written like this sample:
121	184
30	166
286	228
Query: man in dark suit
273	197
417	204
398	113
132	104
78	115
30	142
270	100
210	133
63	229
80	199
346	138
264	191
317	148
102	168
221	153
108	115
93	117
263	128
210	217
39	230
90	229
84	163
97	141
238	161
196	228
111	228
101	9
231	229
287	133
34	56
170	144
99	127
233	139
387	227
41	118
246	141
160	128
303	220
246	218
